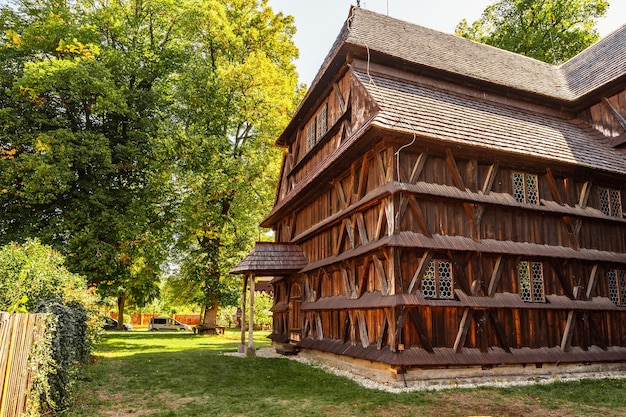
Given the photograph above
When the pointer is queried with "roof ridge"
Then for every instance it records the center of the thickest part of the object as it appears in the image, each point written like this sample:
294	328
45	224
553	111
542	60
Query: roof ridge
449	52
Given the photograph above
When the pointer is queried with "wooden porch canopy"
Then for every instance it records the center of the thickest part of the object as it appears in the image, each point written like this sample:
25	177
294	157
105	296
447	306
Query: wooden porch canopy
266	259
270	259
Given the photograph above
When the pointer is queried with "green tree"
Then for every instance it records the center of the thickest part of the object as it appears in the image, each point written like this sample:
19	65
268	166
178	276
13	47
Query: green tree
548	30
115	114
80	167
236	96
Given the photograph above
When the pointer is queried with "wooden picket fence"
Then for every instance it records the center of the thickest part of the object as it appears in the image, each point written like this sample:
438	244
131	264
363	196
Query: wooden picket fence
18	332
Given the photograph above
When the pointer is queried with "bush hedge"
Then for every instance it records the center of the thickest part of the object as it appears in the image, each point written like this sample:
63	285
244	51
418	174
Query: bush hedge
69	347
33	279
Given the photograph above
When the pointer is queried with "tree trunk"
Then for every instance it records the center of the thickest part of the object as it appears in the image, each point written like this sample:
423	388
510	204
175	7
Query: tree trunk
210	315
121	300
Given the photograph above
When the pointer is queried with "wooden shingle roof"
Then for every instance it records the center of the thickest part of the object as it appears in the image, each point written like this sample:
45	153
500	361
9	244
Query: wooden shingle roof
431	113
599	64
509	126
453	54
268	259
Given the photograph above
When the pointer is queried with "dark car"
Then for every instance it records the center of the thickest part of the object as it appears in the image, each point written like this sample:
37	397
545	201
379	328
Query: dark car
111	324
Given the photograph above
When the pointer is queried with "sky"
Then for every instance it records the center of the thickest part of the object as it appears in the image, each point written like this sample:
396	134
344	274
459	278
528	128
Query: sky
319	21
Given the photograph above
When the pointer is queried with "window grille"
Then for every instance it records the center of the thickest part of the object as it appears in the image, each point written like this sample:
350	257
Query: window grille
622	285
617	286
322	122
317	128
437	281
525	188
610	202
310	135
530	275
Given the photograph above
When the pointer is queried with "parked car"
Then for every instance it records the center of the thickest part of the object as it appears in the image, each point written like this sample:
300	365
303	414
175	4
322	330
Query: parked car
166	323
111	324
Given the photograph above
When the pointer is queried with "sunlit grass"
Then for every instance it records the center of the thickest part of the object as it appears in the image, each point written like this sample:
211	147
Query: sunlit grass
117	344
142	373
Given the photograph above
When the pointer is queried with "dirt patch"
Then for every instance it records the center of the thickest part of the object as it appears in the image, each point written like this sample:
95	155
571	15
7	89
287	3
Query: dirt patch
141	405
493	404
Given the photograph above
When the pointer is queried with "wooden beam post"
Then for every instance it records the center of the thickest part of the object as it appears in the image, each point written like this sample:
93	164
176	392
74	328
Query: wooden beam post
360	222
566	340
584	194
418	167
419	272
616	113
491	176
463	328
418	214
251	351
242	345
565	284
495	277
500	334
424	339
554	190
365	339
362	184
454	170
382	275
593	279
382	333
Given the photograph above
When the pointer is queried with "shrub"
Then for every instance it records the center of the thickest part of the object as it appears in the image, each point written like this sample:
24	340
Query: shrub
69	347
33	279
31	273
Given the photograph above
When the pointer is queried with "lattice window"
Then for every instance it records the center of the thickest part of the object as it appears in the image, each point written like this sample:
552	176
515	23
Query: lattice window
617	286
317	128
610	202
310	135
525	188
322	122
530	275
622	285
438	281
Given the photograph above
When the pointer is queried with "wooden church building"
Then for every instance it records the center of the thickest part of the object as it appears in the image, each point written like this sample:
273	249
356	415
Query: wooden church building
450	205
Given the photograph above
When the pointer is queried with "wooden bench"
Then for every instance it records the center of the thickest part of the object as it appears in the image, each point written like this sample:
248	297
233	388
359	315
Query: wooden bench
216	330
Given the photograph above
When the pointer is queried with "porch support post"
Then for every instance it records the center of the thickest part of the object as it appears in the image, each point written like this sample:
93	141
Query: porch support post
251	350
242	346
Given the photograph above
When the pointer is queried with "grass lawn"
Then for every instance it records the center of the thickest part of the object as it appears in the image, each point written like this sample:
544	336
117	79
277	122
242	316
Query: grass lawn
143	373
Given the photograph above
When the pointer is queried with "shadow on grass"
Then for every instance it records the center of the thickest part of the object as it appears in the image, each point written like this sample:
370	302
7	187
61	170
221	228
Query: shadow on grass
179	374
190	376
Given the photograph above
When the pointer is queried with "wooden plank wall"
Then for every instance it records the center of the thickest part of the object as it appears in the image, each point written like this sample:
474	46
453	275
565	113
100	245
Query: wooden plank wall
432	212
505	221
602	117
447	191
18	333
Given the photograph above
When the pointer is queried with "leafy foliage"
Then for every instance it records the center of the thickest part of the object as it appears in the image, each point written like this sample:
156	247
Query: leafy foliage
69	347
238	93
41	365
80	164
263	302
33	279
114	115
32	273
549	30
